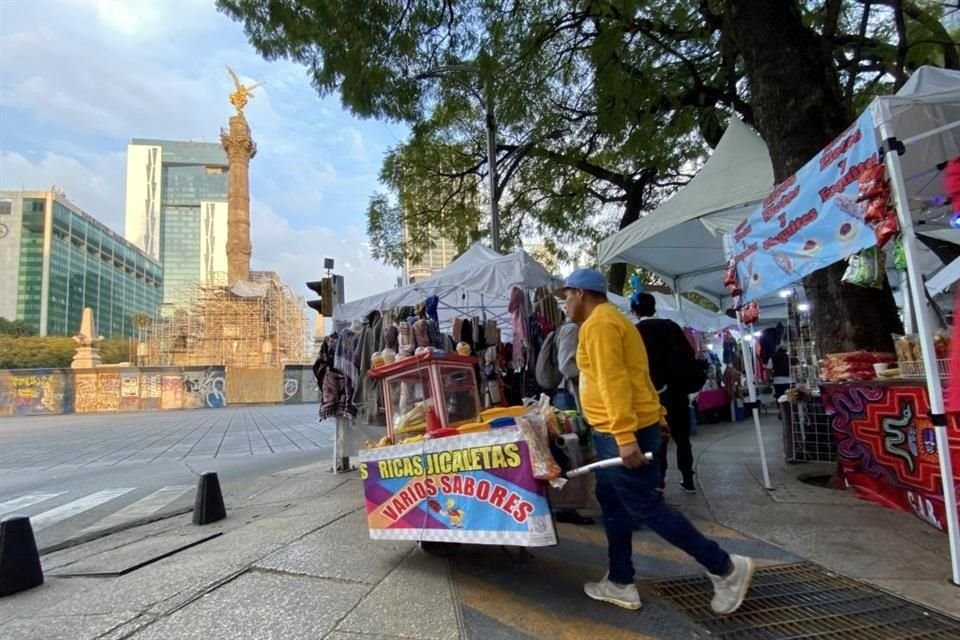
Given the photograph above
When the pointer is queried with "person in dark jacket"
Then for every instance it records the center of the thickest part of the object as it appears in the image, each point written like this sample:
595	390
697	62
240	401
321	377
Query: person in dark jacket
668	348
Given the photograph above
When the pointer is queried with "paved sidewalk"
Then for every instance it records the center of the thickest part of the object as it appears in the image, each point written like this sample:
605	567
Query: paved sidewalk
294	561
91	439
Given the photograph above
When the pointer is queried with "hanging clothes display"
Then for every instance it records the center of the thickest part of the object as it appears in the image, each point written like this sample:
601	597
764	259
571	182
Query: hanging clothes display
345	358
367	396
430	308
545	305
519	316
334	398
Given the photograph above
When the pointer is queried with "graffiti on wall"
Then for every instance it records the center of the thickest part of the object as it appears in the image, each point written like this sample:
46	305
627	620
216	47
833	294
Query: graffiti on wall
108	393
888	449
299	385
85	392
39	392
150	392
171	392
206	388
291	386
55	391
129	392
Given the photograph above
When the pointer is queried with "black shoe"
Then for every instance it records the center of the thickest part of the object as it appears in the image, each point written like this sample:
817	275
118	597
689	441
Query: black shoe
688	486
571	516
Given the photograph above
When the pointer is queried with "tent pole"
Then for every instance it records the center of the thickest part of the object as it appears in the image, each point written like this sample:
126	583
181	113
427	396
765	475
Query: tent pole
908	325
754	406
925	329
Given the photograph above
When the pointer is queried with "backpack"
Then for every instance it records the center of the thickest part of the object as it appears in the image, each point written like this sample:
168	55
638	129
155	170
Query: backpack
688	372
692	375
547	370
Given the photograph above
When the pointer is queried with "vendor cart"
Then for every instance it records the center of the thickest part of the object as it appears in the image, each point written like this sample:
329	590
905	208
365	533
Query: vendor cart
446	472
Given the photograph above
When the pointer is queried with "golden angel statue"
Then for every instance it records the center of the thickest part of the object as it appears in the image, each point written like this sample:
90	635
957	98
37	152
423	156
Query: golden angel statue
242	95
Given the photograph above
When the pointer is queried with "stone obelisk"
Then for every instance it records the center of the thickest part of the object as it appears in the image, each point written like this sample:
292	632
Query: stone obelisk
240	148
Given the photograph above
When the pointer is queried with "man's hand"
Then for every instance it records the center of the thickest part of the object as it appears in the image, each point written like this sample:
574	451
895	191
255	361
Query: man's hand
633	457
664	432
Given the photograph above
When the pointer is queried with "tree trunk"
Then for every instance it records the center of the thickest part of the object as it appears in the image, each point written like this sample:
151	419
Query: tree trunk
631	213
798	109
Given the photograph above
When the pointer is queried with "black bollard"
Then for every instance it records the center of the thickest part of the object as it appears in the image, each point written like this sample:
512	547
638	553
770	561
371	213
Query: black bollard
208	506
19	559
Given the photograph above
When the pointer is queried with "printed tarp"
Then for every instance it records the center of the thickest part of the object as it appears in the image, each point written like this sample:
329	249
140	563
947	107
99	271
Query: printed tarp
809	221
475	488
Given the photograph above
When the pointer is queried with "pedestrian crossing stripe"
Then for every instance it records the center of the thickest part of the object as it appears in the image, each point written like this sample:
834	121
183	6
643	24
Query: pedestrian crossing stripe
22	502
78	506
30	503
142	508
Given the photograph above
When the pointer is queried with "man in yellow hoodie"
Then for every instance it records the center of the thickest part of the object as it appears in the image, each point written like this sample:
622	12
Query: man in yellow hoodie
621	403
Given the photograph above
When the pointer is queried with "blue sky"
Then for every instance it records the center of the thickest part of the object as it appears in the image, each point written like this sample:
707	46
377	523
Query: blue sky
80	78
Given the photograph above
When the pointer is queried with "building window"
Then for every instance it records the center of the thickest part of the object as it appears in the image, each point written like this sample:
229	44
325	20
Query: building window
6	207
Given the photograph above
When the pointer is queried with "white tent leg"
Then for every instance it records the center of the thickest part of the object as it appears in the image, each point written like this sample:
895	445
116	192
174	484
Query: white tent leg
907	306
925	329
752	390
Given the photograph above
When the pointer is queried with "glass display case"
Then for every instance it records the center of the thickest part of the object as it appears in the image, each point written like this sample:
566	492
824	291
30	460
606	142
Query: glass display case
428	392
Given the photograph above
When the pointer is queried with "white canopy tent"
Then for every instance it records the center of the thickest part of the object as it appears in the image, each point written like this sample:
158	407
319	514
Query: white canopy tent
676	241
691	315
923	120
478	283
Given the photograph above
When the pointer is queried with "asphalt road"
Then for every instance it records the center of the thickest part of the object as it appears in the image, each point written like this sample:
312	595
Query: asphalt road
76	474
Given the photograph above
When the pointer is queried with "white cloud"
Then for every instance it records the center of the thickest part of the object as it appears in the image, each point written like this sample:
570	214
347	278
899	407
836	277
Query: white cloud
80	78
90	183
297	254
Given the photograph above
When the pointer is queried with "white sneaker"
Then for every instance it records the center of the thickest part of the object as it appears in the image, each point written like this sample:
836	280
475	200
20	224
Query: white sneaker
729	591
622	595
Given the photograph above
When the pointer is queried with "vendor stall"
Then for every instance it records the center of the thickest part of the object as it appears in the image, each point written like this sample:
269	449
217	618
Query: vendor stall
887	445
447	472
880	177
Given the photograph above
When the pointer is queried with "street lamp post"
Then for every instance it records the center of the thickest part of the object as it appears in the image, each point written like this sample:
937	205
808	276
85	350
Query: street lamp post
491	126
492	171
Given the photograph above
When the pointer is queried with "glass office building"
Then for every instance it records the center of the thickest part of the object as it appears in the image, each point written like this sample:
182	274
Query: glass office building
64	260
176	210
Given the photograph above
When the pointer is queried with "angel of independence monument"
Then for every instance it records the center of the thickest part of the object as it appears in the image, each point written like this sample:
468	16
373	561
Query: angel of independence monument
249	321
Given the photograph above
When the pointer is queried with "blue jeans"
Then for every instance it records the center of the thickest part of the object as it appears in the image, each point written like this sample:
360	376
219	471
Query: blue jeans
629	497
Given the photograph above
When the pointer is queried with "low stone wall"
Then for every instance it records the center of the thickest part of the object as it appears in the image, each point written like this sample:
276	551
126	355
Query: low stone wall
26	392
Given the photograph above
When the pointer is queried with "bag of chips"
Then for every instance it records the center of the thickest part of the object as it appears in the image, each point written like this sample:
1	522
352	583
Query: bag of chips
899	255
866	269
886	230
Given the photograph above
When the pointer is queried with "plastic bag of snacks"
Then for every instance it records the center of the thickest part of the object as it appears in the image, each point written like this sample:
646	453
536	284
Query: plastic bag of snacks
533	428
899	255
888	228
866	269
909	348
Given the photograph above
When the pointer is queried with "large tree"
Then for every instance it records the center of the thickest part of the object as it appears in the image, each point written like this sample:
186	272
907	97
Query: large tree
600	104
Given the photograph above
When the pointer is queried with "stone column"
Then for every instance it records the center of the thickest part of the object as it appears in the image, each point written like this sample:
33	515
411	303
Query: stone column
87	355
240	147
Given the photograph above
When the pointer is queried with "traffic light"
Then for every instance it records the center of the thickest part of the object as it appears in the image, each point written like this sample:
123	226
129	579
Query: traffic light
324	287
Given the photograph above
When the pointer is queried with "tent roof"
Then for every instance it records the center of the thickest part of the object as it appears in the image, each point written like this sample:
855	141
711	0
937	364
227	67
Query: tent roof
479	277
673	241
692	315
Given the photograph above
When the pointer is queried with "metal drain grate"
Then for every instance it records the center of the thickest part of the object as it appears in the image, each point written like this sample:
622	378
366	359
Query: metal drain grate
805	601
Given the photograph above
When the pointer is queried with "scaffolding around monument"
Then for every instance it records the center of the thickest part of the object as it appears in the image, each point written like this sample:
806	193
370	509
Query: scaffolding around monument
252	324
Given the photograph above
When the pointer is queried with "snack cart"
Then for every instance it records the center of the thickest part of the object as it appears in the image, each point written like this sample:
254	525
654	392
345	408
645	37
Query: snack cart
447	472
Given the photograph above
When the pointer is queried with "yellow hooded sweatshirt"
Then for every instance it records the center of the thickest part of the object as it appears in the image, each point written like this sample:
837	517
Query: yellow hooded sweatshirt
616	391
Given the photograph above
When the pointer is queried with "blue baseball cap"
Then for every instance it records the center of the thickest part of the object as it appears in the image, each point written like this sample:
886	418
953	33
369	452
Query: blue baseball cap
586	279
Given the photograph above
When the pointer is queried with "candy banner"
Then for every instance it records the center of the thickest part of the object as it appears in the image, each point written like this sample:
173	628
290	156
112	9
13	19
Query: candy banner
809	221
887	446
475	488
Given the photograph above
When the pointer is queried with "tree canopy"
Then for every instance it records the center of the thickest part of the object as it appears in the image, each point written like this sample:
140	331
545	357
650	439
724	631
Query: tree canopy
602	107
